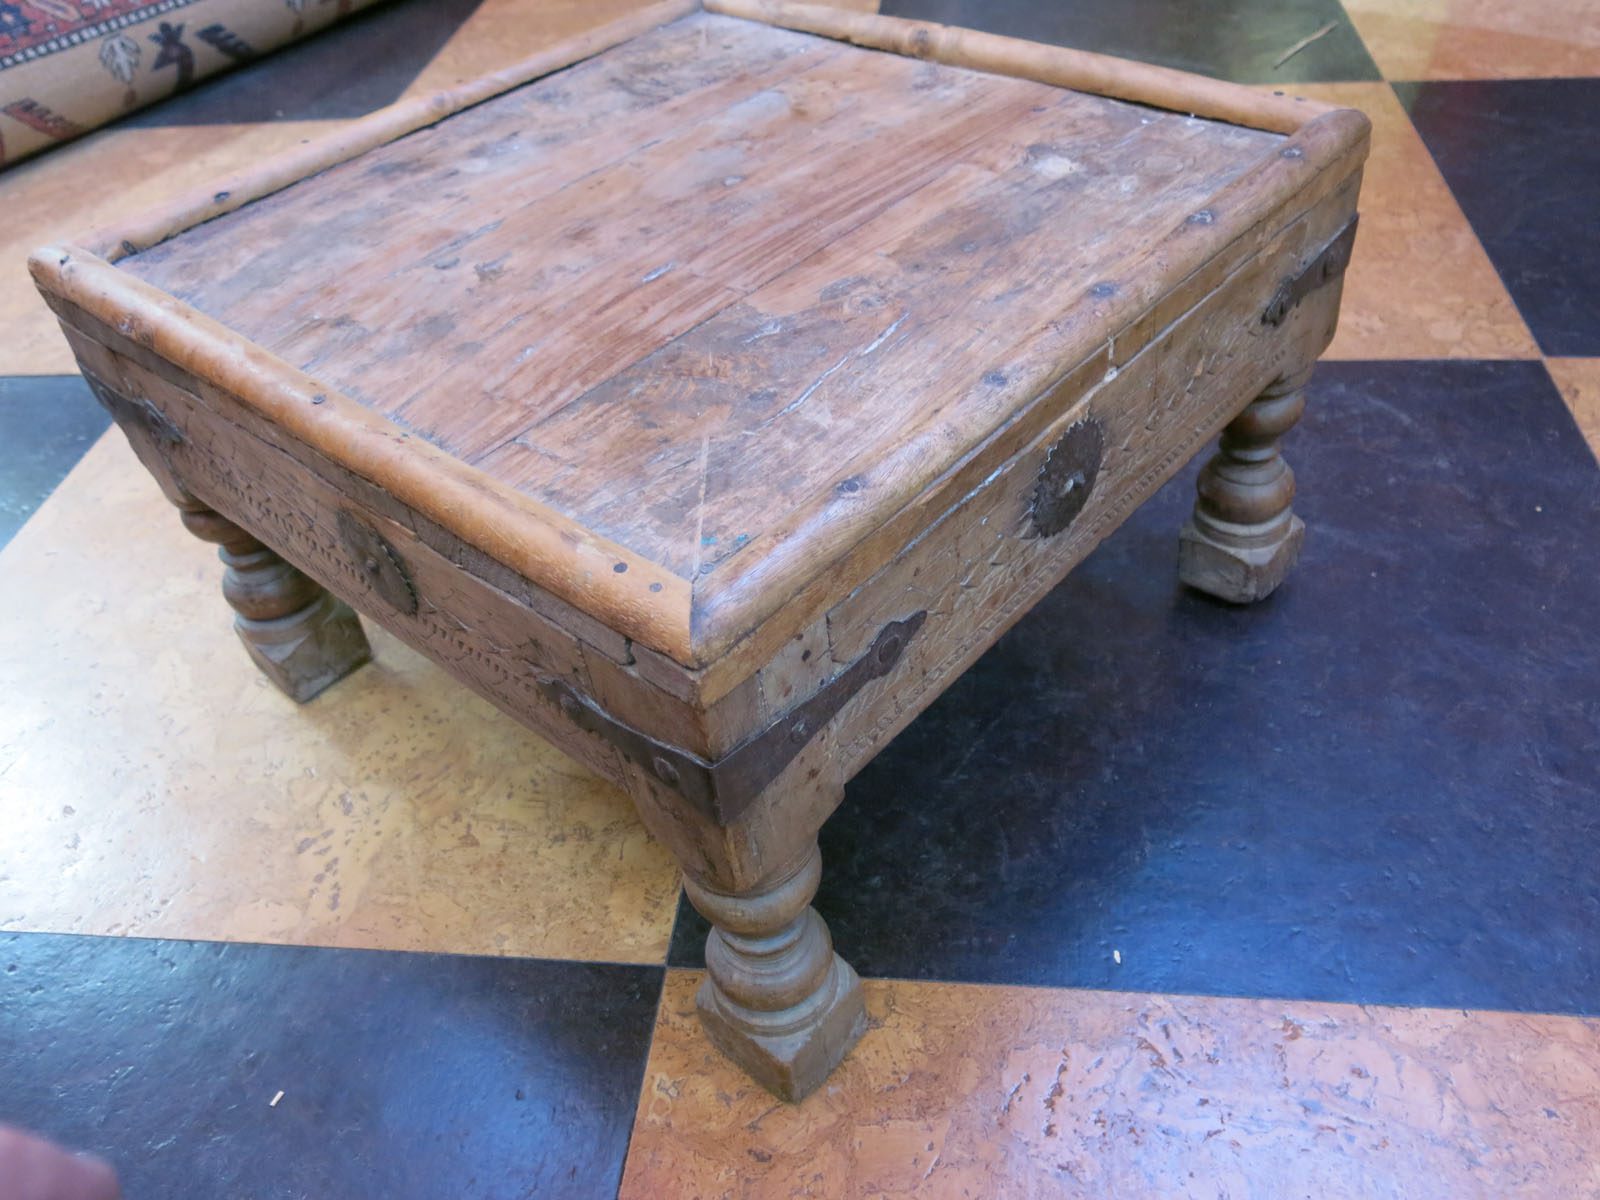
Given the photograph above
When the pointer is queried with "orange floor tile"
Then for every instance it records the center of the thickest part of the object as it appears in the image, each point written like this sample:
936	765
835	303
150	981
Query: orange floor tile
51	197
1579	381
1479	39
1420	284
154	784
962	1091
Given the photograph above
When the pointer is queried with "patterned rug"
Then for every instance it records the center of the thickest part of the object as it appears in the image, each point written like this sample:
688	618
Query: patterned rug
67	66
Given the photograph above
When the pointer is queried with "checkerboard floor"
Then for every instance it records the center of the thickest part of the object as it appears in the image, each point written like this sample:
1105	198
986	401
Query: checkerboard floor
1160	899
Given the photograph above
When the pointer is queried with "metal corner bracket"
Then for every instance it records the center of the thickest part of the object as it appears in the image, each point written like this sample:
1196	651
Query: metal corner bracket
725	788
1325	266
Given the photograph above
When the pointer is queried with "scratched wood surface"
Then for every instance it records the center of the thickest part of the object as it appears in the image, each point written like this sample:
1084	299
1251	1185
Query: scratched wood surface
702	291
979	568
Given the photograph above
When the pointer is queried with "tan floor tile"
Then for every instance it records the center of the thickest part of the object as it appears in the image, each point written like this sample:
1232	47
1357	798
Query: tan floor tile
1579	381
1420	284
152	783
106	176
983	1092
1479	39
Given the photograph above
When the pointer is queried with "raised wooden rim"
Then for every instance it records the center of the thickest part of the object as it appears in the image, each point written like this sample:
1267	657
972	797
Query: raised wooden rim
633	595
1080	70
710	624
774	585
194	207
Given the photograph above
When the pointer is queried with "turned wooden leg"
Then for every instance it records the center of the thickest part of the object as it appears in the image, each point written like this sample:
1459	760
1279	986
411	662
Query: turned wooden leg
301	637
776	998
1244	536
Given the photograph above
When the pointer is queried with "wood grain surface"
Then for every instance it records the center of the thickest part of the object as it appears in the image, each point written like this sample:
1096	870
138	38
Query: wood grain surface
603	582
978	568
116	238
1268	202
666	295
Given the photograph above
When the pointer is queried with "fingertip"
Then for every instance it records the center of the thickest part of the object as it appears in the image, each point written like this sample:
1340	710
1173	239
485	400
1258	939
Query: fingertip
99	1178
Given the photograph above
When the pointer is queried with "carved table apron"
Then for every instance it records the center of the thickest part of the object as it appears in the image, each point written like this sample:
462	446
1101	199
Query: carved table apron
709	391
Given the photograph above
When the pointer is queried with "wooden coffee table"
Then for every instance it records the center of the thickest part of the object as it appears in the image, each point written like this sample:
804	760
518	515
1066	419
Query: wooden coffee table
710	391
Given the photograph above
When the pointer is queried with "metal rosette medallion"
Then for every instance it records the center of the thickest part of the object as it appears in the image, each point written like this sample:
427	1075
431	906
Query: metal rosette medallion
1067	477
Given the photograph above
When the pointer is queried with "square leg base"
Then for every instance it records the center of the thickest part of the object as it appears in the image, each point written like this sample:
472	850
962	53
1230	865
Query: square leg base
308	650
1239	575
793	1063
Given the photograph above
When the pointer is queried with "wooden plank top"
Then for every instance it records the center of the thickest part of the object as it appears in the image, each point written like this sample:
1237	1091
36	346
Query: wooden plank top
727	295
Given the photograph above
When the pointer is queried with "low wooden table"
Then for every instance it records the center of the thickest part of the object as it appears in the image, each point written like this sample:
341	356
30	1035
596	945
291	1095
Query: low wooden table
710	391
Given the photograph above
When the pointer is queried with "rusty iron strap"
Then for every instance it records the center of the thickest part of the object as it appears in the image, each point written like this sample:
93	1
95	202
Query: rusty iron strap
1330	263
725	788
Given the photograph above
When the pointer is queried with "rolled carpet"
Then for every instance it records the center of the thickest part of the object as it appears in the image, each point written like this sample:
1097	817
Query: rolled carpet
67	66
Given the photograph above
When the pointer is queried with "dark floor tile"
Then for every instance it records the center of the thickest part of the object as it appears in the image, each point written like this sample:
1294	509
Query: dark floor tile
1523	159
403	1075
1230	39
347	70
46	423
1378	786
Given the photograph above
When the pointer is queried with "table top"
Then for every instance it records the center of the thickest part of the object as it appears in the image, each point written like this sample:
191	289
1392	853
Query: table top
727	295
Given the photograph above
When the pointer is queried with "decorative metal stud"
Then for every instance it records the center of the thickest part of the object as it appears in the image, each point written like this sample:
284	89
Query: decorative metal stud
1067	477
